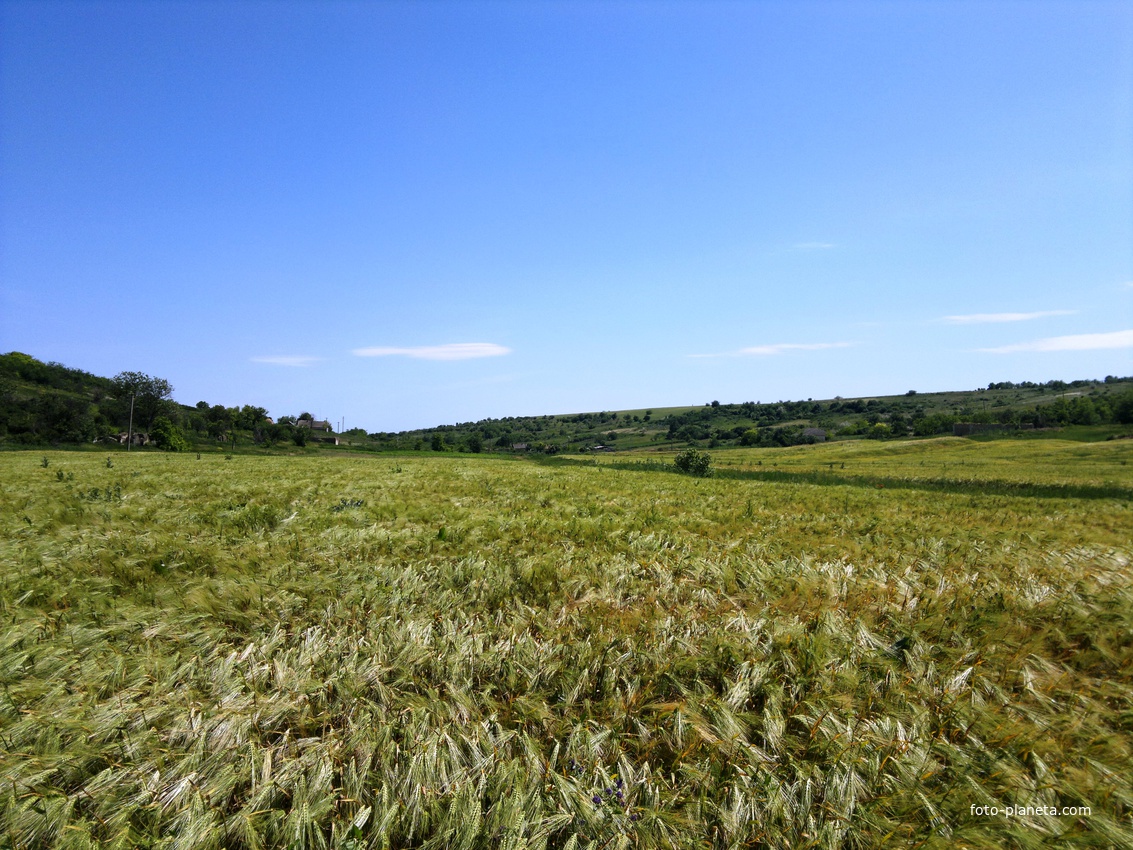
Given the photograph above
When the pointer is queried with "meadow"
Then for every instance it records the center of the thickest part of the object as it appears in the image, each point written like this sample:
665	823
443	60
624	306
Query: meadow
437	651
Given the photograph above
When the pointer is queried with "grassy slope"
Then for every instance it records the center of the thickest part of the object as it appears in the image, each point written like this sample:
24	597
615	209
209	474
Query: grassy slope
952	458
562	430
223	654
24	381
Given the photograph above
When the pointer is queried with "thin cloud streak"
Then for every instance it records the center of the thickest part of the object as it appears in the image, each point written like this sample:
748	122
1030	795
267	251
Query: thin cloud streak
778	348
986	318
1075	342
286	360
449	351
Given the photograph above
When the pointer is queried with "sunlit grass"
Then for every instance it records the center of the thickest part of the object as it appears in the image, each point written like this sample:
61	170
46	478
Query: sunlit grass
1039	462
445	652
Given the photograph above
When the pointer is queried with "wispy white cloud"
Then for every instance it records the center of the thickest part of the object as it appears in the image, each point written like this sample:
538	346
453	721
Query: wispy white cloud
813	246
1075	342
286	360
778	348
1128	284
987	318
449	351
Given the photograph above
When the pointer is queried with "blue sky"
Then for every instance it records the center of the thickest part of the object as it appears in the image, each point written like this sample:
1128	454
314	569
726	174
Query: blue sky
408	214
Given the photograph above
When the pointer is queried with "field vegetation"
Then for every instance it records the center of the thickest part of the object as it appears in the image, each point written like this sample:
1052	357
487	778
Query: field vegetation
436	651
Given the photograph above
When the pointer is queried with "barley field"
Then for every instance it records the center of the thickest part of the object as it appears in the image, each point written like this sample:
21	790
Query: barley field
447	652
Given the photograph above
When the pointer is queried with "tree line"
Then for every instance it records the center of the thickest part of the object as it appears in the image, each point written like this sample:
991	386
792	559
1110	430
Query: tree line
48	403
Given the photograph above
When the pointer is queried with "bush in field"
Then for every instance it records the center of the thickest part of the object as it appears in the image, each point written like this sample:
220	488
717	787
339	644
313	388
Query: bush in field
695	463
168	436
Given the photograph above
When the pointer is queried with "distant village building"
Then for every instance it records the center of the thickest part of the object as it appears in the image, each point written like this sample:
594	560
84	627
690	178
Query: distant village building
314	424
519	447
141	438
818	434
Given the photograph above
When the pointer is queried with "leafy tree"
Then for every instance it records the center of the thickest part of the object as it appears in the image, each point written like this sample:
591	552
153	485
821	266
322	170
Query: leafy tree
219	414
167	436
56	418
879	431
1123	409
750	437
249	416
151	396
1084	412
276	433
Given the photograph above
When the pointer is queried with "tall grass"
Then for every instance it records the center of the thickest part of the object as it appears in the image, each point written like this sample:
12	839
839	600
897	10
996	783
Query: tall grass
482	653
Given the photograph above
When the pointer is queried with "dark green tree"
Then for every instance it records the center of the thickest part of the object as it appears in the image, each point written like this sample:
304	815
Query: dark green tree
152	397
250	417
1123	409
168	436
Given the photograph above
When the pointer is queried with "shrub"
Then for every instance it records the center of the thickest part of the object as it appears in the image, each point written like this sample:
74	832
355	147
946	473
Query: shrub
168	436
695	463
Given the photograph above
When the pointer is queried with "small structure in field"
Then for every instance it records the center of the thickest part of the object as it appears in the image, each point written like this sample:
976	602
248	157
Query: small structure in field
818	434
141	438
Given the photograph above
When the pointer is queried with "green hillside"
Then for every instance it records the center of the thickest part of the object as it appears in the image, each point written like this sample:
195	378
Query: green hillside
1091	409
51	404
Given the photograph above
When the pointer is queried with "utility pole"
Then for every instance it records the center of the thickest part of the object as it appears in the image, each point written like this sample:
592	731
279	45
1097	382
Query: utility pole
130	433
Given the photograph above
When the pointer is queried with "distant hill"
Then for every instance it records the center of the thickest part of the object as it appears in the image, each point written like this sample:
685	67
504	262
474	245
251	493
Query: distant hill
48	403
1027	405
52	404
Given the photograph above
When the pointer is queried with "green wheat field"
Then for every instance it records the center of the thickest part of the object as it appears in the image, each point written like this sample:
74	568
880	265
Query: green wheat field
837	646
